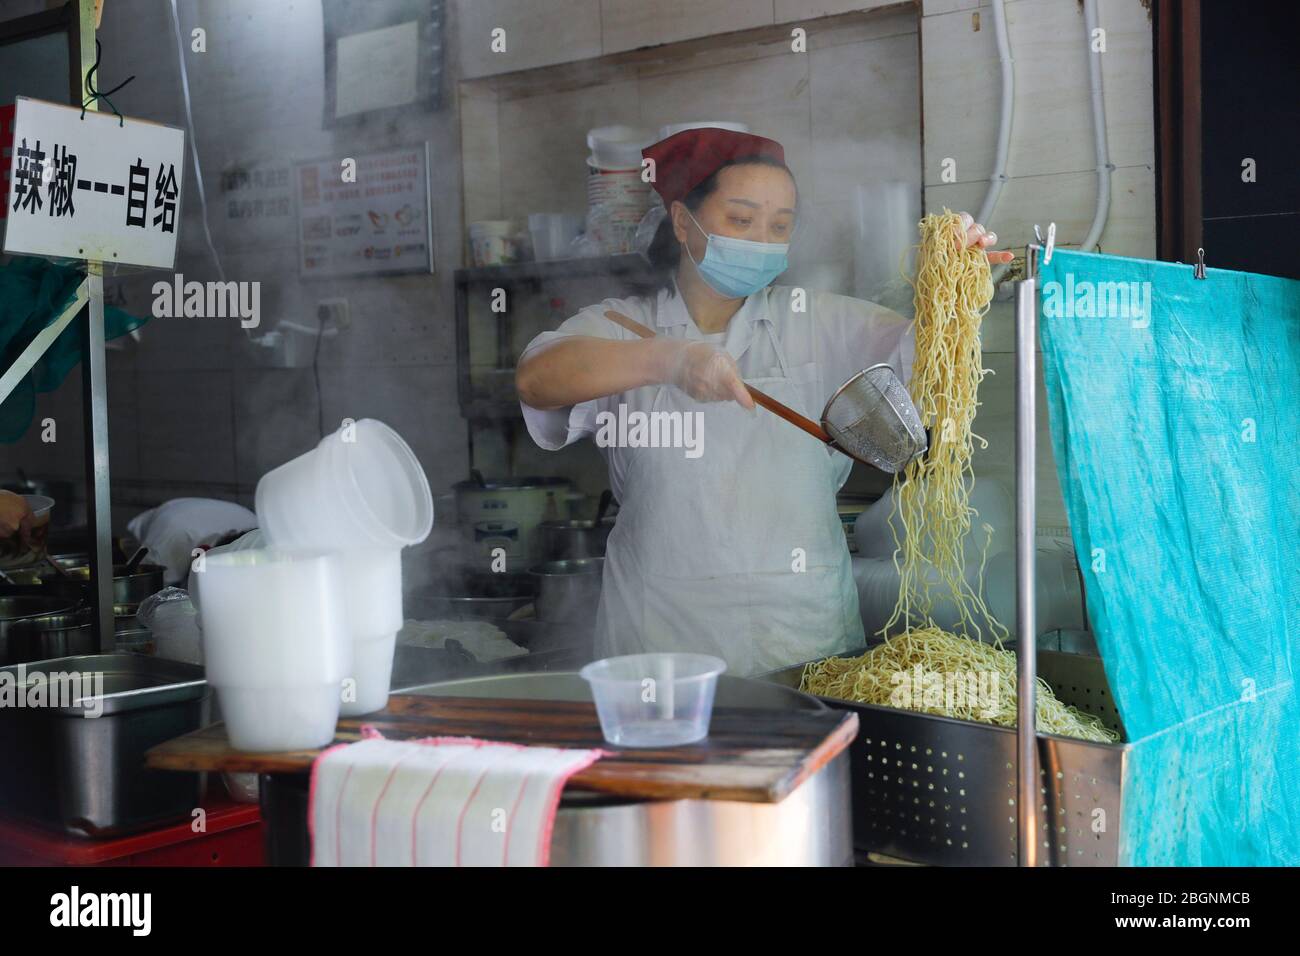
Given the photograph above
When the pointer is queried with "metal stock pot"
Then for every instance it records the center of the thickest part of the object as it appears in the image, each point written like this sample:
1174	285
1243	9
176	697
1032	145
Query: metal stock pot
810	827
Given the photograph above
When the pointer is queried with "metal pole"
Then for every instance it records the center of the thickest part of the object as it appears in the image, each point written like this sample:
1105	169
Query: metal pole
94	373
1027	777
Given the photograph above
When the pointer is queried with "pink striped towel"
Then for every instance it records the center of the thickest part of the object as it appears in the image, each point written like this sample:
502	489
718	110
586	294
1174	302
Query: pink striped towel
440	801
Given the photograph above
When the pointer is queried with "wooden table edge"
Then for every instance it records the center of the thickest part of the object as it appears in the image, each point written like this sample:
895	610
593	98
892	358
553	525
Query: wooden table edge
610	780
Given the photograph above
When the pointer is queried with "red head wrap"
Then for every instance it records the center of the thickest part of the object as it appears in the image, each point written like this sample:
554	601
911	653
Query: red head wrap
686	159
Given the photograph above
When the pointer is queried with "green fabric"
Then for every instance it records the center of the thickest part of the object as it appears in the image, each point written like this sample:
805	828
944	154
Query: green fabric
33	293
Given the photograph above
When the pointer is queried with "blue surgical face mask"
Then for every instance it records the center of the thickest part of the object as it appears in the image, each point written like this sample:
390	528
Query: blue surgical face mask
736	268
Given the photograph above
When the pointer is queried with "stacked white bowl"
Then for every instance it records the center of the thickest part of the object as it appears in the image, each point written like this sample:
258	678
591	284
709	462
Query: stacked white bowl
321	604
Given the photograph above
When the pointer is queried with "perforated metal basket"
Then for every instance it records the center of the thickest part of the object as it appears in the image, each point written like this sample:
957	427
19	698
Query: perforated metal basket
943	791
871	417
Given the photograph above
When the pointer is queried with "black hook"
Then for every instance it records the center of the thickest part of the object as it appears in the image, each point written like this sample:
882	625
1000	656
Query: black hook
96	94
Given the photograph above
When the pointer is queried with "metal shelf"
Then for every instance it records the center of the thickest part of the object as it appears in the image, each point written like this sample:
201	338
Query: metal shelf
631	270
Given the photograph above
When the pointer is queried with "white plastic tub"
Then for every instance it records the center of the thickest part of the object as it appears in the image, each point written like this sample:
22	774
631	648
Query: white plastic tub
361	496
361	488
275	646
654	700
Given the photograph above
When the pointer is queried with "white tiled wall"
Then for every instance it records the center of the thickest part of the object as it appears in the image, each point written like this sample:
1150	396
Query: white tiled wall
548	32
847	112
1050	165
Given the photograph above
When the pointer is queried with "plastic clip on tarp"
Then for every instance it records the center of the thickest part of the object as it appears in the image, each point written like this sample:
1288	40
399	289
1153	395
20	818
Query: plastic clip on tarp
33	292
1175	411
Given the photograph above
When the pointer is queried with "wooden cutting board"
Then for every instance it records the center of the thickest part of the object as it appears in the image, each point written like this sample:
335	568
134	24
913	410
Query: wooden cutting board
752	755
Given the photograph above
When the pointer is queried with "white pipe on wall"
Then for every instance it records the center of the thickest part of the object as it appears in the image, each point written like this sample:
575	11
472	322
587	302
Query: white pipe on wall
1104	166
999	175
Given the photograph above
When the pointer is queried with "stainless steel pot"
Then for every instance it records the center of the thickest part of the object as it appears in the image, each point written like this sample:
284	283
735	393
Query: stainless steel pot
574	539
128	589
810	827
46	636
568	590
19	614
476	596
76	762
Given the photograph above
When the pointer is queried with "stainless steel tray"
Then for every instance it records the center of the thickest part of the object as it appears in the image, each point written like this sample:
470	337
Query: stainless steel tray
943	791
85	774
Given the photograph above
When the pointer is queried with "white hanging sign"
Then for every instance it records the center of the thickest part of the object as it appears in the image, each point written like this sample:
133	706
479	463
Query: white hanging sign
94	187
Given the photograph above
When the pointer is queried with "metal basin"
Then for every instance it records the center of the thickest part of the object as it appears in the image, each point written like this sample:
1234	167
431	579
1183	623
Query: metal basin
73	758
942	791
476	596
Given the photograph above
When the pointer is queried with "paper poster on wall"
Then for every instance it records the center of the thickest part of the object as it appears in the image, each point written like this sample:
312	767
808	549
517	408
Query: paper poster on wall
377	69
376	224
92	186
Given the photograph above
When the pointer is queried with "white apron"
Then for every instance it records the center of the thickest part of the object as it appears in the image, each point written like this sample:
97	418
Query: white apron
738	553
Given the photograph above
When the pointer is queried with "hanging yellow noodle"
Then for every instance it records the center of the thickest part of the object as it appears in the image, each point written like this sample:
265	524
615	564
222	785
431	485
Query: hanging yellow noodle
925	668
932	501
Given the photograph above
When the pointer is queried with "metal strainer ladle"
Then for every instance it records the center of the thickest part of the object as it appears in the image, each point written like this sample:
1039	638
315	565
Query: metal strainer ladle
870	417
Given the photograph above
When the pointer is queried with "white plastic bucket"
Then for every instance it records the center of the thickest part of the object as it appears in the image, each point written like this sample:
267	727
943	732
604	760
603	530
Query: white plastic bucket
617	147
617	201
617	197
361	488
372	671
493	242
275	646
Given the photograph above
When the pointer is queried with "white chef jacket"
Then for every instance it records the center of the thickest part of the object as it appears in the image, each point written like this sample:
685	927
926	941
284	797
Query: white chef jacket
835	338
714	575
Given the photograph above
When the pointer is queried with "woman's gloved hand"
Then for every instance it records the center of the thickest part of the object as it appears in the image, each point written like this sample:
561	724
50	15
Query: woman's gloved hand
707	374
15	516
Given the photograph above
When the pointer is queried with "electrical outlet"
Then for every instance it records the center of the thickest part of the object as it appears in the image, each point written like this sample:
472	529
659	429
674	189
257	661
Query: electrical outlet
335	313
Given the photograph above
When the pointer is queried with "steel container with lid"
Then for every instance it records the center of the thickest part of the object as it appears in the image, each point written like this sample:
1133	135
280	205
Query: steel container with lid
521	503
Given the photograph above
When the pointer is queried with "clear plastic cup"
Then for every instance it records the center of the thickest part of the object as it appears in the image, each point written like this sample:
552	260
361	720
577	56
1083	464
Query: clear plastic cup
654	700
553	233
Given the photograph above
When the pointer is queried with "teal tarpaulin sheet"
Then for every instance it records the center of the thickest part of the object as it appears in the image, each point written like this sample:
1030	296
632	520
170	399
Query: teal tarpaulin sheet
1175	411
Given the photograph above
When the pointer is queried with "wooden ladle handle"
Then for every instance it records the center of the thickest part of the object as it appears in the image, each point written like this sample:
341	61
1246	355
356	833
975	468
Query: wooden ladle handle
789	414
762	398
631	324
